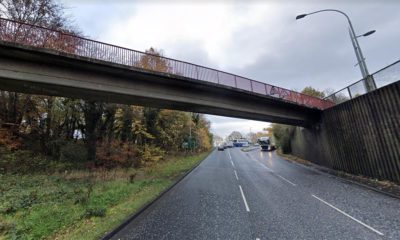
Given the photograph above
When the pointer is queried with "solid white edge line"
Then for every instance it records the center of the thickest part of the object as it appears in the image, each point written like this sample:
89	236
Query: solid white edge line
244	199
237	178
347	215
285	179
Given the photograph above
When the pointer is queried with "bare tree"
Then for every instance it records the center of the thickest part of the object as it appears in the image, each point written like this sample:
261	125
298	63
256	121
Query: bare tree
47	13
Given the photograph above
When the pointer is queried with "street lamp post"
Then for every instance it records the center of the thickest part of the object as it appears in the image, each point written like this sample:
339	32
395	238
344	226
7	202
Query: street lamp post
368	80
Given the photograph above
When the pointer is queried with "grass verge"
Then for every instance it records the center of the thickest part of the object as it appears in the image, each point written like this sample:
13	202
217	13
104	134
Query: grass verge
292	158
78	205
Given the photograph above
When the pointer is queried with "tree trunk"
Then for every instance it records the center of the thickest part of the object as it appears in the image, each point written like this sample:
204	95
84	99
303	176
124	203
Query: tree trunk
92	112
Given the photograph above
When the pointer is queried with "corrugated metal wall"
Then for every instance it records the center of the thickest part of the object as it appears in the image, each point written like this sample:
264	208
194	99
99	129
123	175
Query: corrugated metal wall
360	136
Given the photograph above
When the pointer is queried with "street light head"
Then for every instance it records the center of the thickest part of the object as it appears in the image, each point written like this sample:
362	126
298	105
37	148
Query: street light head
369	33
300	16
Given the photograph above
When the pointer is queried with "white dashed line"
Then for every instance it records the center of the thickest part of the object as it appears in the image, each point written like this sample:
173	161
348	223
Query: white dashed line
229	155
284	179
237	178
233	165
262	165
244	199
347	215
257	239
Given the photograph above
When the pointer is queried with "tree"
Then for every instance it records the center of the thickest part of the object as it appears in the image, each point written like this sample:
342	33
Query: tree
283	134
153	60
252	137
217	140
310	91
46	13
173	128
234	135
204	138
269	131
92	113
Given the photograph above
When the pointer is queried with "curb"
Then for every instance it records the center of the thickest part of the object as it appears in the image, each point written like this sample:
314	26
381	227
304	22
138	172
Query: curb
334	173
110	234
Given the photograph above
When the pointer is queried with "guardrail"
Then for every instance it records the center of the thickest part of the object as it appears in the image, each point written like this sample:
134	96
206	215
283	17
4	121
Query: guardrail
383	77
41	37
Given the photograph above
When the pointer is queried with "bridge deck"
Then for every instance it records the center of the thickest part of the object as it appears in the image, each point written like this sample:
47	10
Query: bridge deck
36	36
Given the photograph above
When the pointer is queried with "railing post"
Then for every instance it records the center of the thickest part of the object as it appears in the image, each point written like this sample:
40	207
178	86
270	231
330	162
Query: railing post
251	85
217	77
235	81
369	83
348	90
197	72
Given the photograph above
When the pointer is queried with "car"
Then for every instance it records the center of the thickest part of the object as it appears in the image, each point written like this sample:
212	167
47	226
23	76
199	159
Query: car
229	144
221	147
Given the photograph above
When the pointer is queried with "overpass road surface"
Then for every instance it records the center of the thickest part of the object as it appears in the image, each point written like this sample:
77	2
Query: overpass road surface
258	195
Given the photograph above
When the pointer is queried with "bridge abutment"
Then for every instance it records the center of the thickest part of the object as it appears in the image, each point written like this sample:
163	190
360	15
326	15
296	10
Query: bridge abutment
360	136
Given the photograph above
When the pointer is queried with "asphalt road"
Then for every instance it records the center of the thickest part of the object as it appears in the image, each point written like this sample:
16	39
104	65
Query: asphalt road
258	195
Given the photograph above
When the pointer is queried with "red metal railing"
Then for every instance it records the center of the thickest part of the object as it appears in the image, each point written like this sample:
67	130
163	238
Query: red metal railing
32	35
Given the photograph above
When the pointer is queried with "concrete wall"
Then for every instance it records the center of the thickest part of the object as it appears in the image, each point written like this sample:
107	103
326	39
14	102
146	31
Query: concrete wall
361	136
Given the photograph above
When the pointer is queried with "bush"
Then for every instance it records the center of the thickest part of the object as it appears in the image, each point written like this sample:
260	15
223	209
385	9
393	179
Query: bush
116	153
94	212
6	226
26	162
21	162
73	153
54	147
283	134
150	154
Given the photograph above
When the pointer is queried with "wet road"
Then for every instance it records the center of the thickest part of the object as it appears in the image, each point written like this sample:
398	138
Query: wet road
258	195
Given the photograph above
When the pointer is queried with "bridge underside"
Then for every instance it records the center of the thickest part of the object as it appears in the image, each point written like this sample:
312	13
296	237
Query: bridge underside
29	70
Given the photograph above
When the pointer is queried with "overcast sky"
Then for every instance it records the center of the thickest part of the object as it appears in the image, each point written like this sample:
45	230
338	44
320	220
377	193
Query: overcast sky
256	39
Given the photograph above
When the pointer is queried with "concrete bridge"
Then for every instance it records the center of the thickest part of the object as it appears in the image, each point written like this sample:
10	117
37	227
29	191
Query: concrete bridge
42	61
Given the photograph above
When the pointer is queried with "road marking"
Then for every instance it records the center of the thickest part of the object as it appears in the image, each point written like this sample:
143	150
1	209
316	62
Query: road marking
262	165
257	239
285	179
233	165
229	155
244	199
236	175
347	215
